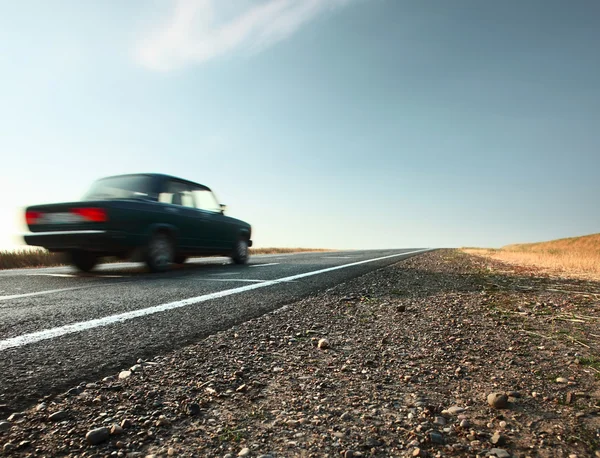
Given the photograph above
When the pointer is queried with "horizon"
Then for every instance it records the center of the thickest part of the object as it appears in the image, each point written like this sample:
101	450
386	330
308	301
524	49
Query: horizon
341	124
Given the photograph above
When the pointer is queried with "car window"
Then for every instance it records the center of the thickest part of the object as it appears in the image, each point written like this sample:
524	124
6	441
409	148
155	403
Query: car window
177	193
120	187
205	200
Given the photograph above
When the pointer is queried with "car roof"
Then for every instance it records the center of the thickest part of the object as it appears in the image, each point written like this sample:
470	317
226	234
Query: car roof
161	176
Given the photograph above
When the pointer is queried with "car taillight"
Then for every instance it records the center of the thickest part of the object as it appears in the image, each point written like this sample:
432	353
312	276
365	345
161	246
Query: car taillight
32	217
96	215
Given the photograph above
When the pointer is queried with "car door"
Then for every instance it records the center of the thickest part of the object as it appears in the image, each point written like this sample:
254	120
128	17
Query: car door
219	231
181	212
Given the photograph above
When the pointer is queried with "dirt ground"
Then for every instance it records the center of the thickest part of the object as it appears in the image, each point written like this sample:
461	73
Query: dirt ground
444	354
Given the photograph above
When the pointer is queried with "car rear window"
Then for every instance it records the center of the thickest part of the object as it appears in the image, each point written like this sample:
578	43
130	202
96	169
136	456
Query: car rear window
123	187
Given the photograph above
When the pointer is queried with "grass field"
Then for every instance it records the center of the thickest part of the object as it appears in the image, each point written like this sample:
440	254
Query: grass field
41	258
577	255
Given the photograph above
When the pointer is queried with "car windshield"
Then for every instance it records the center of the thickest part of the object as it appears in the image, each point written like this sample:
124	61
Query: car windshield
124	187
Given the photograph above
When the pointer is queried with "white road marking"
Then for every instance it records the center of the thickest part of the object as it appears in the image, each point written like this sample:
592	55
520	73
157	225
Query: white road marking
264	265
75	275
39	293
232	279
52	275
47	334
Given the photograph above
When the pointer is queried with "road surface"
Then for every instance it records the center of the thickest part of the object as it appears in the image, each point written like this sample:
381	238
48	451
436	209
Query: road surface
59	328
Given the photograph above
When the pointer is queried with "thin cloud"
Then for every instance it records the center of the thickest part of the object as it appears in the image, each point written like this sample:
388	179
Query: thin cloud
198	31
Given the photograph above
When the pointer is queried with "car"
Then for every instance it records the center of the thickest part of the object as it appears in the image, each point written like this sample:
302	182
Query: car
151	217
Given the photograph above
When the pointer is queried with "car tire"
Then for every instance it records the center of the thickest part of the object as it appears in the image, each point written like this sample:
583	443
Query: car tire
160	252
180	259
83	260
240	251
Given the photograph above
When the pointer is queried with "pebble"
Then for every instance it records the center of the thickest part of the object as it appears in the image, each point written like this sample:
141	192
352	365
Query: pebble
345	416
436	437
417	452
194	409
498	439
323	344
116	430
244	452
499	453
137	368
440	421
124	375
171	451
497	400
16	416
454	410
5	425
8	447
126	423
502	424
465	423
97	436
58	416
562	380
266	456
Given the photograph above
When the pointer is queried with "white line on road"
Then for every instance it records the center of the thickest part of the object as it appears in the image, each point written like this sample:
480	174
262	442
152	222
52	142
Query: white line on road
46	334
231	279
264	265
39	293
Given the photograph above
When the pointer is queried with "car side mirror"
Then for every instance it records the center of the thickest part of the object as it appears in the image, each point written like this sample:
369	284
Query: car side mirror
223	208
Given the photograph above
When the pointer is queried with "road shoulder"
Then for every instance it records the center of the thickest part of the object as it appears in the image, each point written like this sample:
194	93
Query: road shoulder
399	362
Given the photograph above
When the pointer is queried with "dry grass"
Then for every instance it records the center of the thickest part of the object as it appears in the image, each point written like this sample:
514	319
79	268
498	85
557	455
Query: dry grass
578	256
29	258
41	258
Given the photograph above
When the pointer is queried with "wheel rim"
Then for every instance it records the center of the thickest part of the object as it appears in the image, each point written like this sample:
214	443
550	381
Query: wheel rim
161	252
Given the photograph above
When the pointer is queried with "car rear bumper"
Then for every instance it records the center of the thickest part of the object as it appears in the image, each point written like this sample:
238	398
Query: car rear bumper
89	240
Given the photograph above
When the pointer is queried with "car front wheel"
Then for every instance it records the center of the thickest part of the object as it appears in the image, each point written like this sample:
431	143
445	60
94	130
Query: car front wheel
83	260
160	253
240	252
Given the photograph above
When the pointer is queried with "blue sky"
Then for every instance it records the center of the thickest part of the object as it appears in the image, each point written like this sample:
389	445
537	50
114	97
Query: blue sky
325	123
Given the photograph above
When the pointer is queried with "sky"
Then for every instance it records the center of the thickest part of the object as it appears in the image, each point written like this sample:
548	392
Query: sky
351	124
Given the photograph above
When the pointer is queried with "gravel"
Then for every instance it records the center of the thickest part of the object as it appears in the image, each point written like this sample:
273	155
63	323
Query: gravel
414	353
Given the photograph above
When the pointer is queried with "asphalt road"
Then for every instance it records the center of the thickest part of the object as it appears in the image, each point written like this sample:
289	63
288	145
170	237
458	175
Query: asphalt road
59	328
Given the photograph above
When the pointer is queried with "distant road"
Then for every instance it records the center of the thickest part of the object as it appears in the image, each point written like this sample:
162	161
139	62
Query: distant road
59	328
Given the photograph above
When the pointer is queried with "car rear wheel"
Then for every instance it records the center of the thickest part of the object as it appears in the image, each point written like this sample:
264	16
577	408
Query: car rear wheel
240	252
83	260
160	253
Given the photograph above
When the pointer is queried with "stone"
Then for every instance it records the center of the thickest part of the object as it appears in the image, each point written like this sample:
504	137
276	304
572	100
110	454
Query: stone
497	400
193	409
5	425
126	423
498	439
436	437
372	442
464	423
499	453
346	416
417	452
454	410
124	375
244	452
562	380
97	436
9	447
116	430
58	415
440	421
323	344
171	452
16	416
